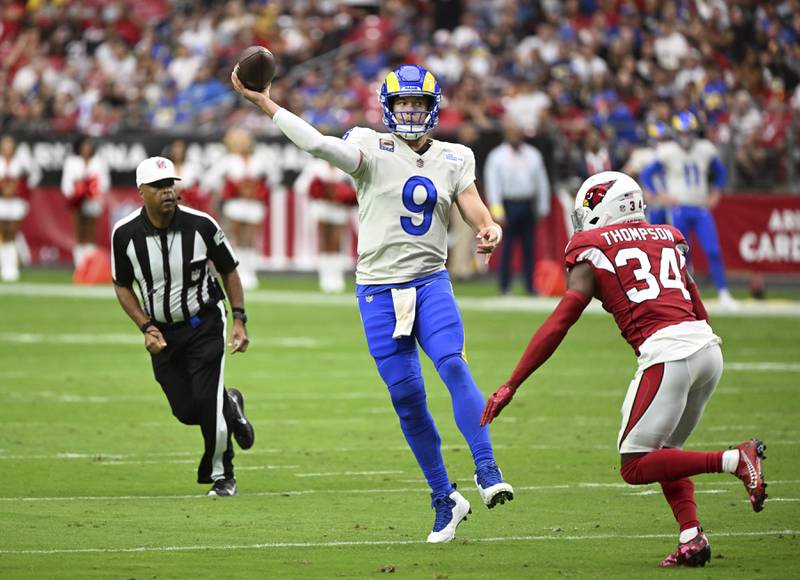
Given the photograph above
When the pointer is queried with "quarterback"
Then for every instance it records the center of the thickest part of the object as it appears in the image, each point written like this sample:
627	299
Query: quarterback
406	183
638	272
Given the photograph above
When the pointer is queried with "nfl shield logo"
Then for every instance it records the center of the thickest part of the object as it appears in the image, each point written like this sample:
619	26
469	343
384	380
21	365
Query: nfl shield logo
195	275
369	298
420	162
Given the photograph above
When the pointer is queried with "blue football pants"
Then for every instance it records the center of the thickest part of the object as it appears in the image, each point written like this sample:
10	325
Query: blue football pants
440	332
700	221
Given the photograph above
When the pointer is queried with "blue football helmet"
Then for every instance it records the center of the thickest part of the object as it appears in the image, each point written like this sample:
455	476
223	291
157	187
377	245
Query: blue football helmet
685	125
657	130
685	122
410	80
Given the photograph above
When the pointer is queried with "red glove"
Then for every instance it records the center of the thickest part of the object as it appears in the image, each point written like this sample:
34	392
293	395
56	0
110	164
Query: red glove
497	403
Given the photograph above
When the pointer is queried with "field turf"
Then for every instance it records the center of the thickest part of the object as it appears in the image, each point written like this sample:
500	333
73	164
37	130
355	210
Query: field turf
99	477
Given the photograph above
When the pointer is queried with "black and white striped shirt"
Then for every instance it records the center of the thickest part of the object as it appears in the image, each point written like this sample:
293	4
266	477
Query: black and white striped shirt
171	265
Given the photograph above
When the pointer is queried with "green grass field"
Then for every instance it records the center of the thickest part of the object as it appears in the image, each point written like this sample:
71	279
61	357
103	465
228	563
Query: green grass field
99	477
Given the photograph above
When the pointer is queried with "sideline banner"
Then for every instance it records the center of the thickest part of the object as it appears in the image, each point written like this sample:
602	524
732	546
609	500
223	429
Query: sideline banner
758	233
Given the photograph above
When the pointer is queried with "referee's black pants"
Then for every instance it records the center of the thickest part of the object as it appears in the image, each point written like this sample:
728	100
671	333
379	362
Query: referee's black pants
190	370
521	226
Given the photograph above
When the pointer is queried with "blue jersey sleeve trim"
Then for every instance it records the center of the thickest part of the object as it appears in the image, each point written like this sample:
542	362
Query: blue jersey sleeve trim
719	175
648	175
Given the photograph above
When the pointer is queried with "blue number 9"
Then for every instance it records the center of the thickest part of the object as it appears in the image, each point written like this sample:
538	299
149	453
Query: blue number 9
426	208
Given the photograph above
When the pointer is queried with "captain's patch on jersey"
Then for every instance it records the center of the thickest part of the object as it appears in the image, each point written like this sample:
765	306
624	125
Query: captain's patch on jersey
219	237
386	145
453	158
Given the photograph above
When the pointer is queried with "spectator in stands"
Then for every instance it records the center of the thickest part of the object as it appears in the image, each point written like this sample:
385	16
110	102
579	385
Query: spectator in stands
189	188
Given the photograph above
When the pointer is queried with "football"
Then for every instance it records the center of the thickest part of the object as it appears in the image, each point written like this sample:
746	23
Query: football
256	67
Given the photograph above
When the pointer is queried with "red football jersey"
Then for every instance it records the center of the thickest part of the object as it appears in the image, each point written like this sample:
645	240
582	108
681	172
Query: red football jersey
640	275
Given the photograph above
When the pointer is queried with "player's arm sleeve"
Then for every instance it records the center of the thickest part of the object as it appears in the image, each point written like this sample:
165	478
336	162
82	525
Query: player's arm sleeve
491	184
121	267
342	154
549	336
467	175
649	173
698	307
719	175
220	251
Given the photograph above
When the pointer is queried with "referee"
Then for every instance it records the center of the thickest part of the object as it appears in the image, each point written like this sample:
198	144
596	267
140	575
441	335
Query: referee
165	248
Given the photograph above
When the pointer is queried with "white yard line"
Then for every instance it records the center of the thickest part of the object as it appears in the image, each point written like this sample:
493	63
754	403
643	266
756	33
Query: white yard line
348	473
775	367
133	339
420	489
748	308
359	543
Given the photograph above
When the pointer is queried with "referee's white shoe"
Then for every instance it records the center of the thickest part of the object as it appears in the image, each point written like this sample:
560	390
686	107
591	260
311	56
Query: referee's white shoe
242	429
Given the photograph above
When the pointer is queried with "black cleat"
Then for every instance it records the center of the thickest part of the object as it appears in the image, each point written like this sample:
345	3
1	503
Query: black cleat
242	429
225	487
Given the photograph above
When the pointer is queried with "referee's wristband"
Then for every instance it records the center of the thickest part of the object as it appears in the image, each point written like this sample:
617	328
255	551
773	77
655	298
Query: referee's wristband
145	326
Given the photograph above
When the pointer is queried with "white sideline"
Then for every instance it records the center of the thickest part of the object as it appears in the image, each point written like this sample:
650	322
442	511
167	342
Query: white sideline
420	489
748	308
102	458
357	543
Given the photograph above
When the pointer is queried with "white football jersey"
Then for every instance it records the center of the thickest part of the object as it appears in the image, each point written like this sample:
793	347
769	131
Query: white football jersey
686	170
404	202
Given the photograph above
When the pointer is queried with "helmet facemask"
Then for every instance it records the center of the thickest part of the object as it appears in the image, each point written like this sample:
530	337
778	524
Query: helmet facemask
413	124
410	81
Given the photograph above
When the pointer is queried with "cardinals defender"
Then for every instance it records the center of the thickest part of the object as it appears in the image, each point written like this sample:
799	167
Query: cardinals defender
638	271
406	184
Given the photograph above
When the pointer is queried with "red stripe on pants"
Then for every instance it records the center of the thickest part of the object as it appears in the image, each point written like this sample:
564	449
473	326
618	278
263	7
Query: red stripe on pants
648	388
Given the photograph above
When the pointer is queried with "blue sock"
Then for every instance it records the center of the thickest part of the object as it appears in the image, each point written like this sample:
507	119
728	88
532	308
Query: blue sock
409	400
468	405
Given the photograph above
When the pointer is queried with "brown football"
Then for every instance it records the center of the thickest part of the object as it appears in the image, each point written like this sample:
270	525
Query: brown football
256	68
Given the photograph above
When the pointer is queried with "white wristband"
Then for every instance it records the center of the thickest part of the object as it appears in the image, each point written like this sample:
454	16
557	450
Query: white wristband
499	231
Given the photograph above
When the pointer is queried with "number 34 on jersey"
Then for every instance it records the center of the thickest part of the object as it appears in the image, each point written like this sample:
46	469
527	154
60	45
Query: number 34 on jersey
640	274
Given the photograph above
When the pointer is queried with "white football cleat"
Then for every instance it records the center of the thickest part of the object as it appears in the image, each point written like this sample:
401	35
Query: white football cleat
492	487
451	510
727	302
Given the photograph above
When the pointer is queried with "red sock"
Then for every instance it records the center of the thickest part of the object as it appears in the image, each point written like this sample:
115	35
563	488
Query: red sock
680	496
670	464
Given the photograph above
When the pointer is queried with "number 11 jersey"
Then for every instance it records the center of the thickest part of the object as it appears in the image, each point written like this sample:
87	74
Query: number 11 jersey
640	278
404	202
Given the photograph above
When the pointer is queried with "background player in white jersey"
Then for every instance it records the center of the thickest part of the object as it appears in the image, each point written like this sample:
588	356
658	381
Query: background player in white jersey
639	159
638	272
18	173
687	165
406	184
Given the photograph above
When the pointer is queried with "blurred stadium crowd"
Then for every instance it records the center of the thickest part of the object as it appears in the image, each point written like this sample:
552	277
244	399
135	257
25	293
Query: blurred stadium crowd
586	77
